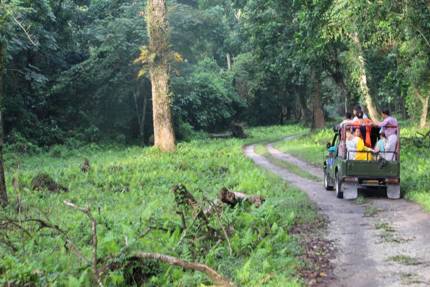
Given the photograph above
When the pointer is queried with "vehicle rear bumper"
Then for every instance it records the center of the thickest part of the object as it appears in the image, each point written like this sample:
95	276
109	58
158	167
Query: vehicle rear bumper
351	185
350	190
372	181
393	191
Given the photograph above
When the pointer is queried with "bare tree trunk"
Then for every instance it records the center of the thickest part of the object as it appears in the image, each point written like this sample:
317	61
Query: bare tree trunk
228	61
305	113
140	114
340	82
136	105
318	120
164	137
425	108
143	119
3	191
373	112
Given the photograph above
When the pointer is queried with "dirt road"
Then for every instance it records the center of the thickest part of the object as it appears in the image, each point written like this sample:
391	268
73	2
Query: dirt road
379	242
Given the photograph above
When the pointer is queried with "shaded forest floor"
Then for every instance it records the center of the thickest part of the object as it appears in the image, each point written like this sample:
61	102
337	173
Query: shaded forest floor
129	192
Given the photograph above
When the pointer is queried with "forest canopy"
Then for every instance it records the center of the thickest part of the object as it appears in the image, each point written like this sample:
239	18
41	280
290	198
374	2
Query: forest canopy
72	75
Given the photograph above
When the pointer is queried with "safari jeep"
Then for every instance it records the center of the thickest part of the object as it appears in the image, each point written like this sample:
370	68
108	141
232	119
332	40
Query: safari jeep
347	175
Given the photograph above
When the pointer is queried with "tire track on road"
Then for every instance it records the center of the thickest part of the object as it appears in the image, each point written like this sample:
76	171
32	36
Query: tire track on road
390	247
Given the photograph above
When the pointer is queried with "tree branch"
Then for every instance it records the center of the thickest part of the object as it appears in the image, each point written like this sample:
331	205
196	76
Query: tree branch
423	36
212	274
24	30
87	212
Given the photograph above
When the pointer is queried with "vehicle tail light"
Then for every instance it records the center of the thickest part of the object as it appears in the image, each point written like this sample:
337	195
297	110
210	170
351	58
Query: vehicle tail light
392	180
350	179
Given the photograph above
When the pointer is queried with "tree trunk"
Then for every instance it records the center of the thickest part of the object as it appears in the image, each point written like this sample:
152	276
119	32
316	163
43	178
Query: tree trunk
373	112
305	113
140	114
425	109
228	61
3	191
164	137
340	82
318	120
143	117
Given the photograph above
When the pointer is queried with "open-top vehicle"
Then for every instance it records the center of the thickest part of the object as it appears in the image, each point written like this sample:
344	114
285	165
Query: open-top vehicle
346	174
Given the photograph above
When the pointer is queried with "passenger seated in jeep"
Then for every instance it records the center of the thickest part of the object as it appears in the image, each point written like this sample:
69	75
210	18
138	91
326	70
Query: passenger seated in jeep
389	127
356	150
380	146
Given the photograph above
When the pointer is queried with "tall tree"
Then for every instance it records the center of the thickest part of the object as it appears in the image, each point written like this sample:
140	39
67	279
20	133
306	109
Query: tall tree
158	31
3	192
363	78
415	56
318	120
348	20
8	10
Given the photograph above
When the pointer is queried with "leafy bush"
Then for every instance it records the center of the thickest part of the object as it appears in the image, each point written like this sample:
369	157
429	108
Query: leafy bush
206	98
16	142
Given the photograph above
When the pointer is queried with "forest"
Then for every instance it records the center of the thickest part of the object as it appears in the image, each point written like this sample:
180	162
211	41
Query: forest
115	117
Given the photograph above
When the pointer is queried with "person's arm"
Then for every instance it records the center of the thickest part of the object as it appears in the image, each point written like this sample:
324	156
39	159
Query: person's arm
381	124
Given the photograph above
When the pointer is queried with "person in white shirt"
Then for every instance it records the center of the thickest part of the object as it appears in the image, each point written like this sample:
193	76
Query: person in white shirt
351	144
389	126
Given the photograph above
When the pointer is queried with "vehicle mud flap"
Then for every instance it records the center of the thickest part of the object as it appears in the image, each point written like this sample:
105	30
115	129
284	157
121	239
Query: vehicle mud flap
350	190
393	191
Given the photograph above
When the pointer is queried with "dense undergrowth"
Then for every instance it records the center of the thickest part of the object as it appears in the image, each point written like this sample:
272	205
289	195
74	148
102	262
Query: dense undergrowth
129	192
415	158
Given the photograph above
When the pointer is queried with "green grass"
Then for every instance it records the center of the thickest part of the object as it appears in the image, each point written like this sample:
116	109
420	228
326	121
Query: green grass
309	147
262	150
371	211
404	260
384	226
415	161
129	189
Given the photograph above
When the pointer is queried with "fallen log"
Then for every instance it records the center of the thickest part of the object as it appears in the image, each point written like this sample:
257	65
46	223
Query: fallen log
217	278
225	135
232	198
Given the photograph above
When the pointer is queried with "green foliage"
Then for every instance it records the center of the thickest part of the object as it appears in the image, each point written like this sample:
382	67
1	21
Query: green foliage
80	81
128	190
207	90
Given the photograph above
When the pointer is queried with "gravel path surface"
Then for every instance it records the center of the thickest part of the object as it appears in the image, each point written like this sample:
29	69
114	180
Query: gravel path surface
379	242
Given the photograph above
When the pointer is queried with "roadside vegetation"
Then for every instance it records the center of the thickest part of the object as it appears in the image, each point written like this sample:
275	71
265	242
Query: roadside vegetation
129	191
415	157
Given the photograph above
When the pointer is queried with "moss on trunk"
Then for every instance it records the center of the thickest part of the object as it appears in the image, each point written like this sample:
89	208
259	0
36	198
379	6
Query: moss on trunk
164	137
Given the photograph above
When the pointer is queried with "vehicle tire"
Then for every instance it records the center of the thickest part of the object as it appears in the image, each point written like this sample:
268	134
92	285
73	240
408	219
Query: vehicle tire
338	186
327	185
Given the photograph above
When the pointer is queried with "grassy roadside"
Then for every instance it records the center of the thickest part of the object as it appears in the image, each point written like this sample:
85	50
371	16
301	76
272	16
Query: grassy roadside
415	162
262	150
129	189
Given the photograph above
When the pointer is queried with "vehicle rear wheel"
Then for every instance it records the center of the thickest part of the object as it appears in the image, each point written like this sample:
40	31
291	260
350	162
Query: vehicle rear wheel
327	184
338	185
